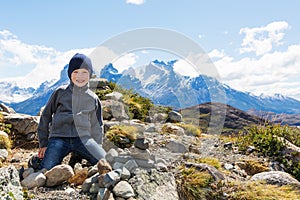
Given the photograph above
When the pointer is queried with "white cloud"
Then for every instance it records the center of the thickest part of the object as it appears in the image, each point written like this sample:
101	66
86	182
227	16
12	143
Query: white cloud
216	54
136	2
36	64
184	68
262	39
277	72
125	61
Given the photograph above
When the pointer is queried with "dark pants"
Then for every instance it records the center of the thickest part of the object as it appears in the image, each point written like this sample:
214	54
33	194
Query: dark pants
59	147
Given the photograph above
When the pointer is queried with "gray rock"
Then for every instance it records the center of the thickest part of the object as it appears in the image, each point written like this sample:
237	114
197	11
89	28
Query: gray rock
176	130
37	179
131	165
99	83
174	117
94	188
276	178
111	178
10	184
114	109
140	154
141	143
7	109
22	123
89	181
117	96
58	174
27	172
124	190
125	174
228	166
154	186
103	194
159	118
110	155
92	171
175	146
3	154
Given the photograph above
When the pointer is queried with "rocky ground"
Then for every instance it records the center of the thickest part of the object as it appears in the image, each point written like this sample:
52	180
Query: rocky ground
19	157
175	148
209	146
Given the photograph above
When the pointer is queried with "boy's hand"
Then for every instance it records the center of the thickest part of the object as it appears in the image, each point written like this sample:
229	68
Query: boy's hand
42	152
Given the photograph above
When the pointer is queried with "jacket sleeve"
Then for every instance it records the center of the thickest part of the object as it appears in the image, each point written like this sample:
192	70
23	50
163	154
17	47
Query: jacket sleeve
46	119
97	131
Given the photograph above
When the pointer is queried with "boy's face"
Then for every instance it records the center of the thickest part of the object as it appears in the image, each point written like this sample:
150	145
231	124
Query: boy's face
80	77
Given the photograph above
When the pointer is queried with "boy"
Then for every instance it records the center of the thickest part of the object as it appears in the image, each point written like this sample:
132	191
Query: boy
72	119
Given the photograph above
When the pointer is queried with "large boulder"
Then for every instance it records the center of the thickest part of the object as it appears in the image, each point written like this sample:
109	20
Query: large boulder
7	109
58	174
276	178
10	187
22	123
164	186
114	109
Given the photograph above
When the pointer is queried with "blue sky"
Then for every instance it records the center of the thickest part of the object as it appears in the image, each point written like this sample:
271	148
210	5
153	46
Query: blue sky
254	45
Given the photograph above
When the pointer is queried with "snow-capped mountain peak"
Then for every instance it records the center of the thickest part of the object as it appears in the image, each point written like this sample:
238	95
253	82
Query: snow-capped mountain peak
159	82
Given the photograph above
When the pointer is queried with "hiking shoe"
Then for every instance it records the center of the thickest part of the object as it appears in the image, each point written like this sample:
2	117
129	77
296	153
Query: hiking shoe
34	162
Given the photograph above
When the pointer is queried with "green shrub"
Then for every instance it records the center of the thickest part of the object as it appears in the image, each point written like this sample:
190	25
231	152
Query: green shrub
190	129
193	184
252	166
165	129
267	142
122	136
264	138
210	161
5	142
137	106
3	126
259	190
101	93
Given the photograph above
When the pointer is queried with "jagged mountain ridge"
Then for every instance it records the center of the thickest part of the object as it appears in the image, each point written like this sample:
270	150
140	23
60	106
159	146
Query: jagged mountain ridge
10	91
159	82
39	98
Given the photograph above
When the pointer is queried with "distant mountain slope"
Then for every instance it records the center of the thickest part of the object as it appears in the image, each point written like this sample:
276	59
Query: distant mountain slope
34	104
290	119
9	92
233	119
159	82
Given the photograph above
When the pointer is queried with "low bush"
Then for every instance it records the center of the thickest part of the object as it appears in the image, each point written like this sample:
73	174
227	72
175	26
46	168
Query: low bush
193	184
138	107
5	142
190	129
122	136
267	141
3	126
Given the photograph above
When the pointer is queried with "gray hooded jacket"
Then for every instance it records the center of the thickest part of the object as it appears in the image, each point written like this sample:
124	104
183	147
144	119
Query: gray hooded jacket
71	112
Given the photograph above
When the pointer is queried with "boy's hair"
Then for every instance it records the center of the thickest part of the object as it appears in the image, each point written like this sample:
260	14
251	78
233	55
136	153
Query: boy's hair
79	61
